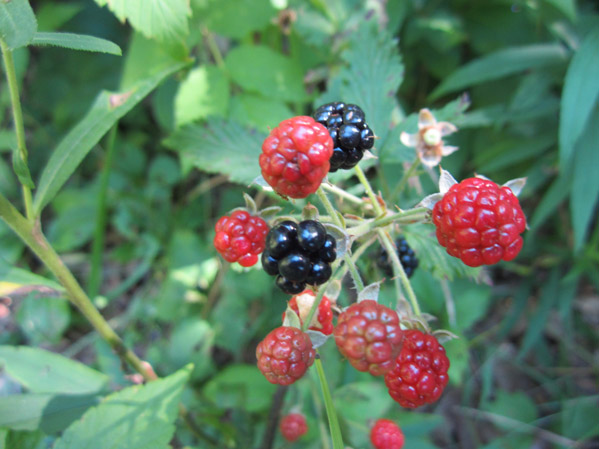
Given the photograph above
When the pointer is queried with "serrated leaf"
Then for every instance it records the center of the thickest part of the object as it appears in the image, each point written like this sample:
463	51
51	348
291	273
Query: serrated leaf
42	371
235	19
51	413
76	42
104	113
138	417
17	23
220	146
204	93
164	20
283	80
579	95
500	64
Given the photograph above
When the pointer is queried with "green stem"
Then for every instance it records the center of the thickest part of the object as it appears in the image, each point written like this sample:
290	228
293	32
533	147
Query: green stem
95	274
214	50
342	193
404	179
35	240
329	407
398	270
17	113
373	199
346	257
406	216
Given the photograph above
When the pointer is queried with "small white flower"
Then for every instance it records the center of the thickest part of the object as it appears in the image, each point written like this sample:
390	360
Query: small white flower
428	141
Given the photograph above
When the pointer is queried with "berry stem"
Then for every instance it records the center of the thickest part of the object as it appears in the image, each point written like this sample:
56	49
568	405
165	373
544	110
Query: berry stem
398	270
419	214
346	257
373	199
329	407
17	113
342	193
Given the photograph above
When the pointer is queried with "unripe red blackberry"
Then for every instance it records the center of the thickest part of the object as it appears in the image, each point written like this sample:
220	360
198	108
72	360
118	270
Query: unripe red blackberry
369	336
293	426
385	434
240	237
479	222
285	355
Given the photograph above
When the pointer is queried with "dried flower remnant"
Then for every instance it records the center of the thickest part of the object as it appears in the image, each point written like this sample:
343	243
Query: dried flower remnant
428	141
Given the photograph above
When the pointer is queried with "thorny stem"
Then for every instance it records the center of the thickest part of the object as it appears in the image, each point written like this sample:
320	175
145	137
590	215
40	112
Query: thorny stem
17	113
346	257
405	216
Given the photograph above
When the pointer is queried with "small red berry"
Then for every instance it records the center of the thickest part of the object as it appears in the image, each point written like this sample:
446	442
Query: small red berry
323	318
293	426
295	156
385	434
285	355
420	375
368	334
240	237
479	222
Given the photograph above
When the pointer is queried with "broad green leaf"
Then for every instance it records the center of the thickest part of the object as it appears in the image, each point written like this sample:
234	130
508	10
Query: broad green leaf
107	109
42	371
352	399
471	302
554	196
517	406
500	64
235	18
164	20
579	96
579	417
566	7
43	319
76	42
241	386
13	278
585	189
220	146
138	417
259	69
204	93
17	23
458	355
48	412
258	112
25	440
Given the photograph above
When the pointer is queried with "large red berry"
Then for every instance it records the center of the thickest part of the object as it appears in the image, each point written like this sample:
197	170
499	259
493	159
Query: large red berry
421	371
293	426
295	156
284	355
385	434
240	237
368	334
323	318
479	222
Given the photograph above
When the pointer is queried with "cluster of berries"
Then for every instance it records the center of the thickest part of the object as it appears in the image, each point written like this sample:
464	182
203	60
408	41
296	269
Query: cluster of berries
351	135
299	254
406	255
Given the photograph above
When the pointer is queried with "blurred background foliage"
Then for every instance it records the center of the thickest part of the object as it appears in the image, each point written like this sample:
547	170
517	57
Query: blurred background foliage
135	221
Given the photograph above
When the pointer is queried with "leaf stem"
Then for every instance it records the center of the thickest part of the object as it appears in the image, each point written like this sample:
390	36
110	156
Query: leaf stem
337	221
95	274
329	407
342	193
17	113
35	240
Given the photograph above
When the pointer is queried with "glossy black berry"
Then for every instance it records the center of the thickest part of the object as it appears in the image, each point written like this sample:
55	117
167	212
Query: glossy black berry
406	256
290	287
350	133
280	240
270	264
320	272
311	235
328	252
295	267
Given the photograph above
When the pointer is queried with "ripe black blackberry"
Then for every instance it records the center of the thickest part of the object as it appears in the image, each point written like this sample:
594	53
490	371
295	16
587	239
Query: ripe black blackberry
348	129
406	255
299	254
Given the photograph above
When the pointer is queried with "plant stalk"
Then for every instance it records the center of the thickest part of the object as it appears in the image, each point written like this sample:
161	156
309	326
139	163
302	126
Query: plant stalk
329	407
17	113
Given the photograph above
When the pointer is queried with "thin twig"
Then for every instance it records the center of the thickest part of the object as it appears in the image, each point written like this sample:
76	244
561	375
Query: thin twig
273	417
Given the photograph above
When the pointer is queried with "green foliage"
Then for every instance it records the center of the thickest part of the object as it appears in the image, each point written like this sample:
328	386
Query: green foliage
17	23
76	42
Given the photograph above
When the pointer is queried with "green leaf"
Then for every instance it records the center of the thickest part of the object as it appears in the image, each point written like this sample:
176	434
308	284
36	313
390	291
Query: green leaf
220	146
500	64
258	112
42	371
107	109
76	42
48	412
516	406
138	417
458	355
566	7
585	189
554	196
352	399
241	386
579	96
164	20
43	319
24	440
204	93
17	23
259	69
22	170
236	19
13	278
